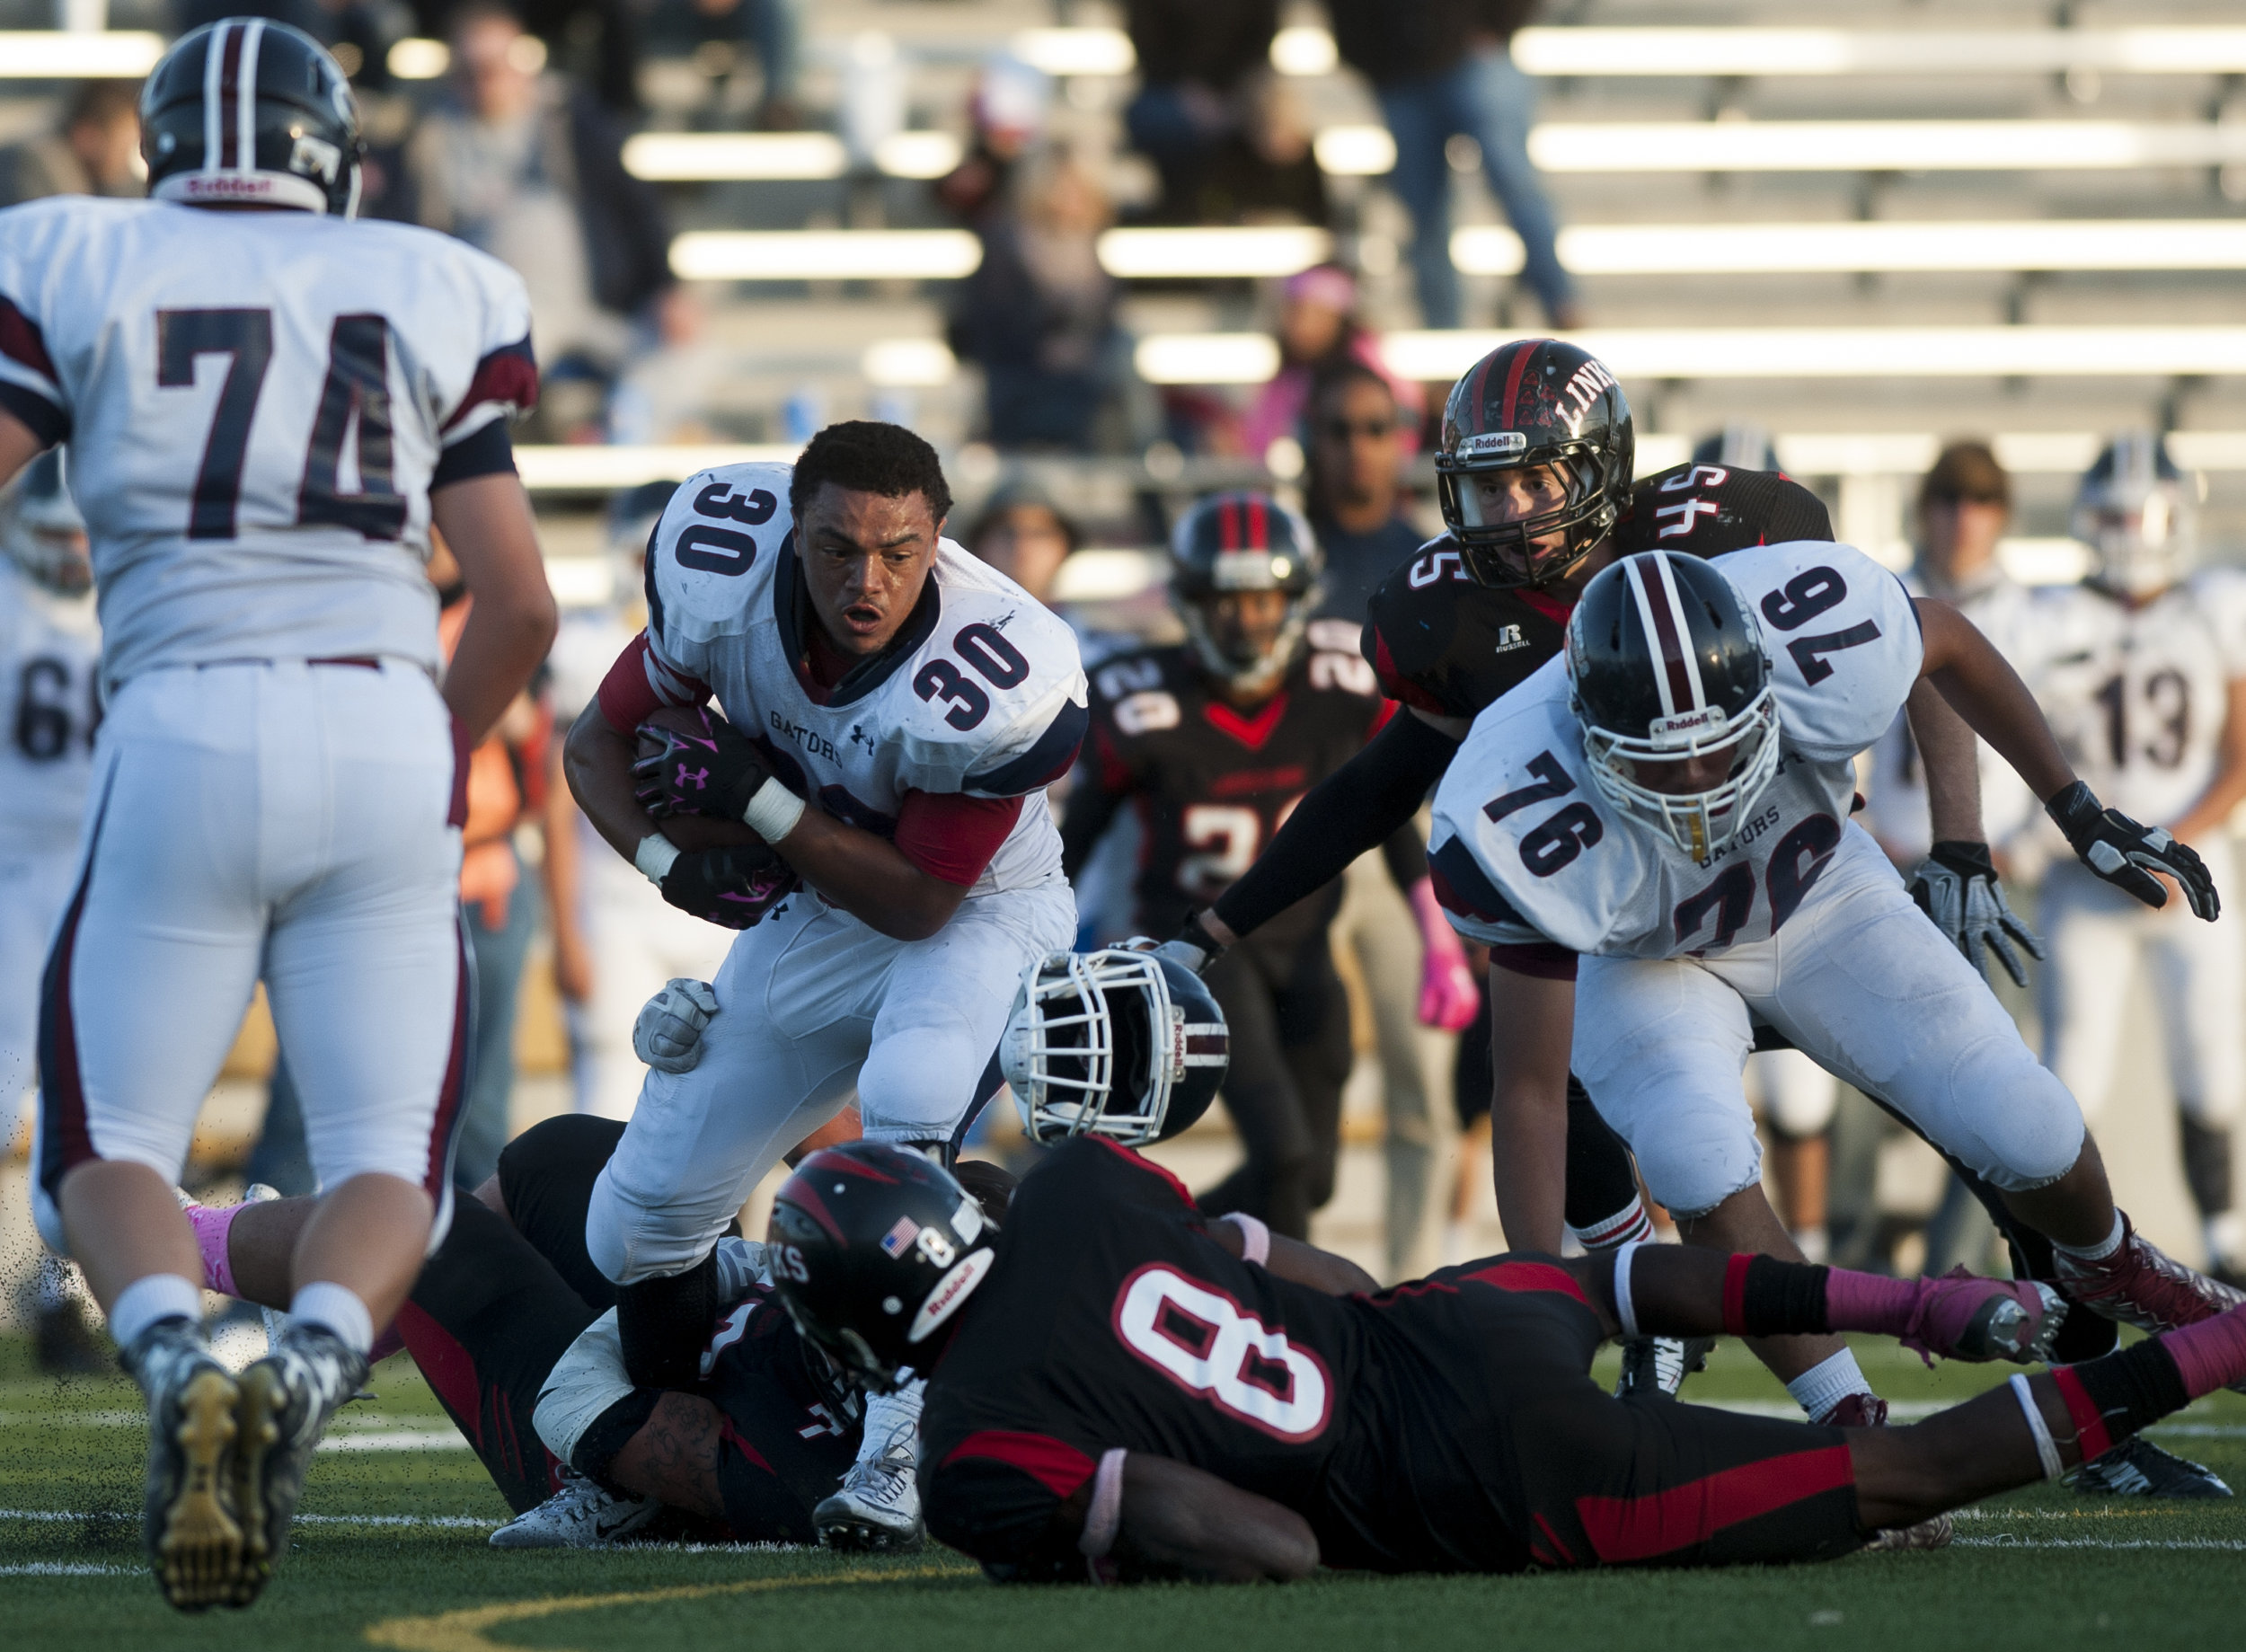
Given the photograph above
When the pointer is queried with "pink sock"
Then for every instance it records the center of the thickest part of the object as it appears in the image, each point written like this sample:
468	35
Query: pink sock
1866	1301
211	1224
2210	1354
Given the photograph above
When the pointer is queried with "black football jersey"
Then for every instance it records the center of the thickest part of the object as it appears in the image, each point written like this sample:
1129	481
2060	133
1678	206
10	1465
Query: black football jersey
1111	1320
1439	641
794	1431
1211	782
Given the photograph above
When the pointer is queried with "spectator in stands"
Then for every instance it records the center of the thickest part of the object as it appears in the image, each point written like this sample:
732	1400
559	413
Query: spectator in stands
1006	118
1038	316
1441	70
530	168
1318	332
1359	440
723	35
597	41
94	151
1022	534
1229	137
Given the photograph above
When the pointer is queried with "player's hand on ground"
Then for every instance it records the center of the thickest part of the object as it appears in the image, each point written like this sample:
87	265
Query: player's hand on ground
2127	855
1956	886
693	762
668	1034
731	887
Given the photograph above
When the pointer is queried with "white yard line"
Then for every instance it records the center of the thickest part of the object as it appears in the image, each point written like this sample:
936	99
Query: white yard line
62	1516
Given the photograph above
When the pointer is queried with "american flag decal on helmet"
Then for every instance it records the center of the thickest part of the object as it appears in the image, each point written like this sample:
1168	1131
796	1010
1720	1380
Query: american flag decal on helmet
897	1239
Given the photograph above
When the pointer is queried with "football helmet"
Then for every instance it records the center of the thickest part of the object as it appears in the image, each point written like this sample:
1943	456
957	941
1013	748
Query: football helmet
1121	1044
247	112
1243	541
1740	445
41	529
1529	403
1664	665
2139	513
872	1249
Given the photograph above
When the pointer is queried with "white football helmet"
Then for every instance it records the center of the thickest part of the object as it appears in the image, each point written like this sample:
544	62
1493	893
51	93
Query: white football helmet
2140	515
41	529
1121	1044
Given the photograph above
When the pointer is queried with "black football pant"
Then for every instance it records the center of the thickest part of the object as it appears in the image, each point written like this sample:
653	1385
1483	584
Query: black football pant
1289	1020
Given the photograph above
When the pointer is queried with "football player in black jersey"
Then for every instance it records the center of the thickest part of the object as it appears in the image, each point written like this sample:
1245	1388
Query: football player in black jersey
1213	742
510	1309
1123	1388
1535	481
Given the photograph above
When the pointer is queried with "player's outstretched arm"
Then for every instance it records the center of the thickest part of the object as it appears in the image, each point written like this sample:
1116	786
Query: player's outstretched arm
1292	1259
1532	1028
487	523
18	446
1175	1521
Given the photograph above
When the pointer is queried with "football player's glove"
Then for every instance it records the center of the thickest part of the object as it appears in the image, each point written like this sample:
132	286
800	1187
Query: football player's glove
693	763
1956	886
1191	948
2126	854
733	886
668	1034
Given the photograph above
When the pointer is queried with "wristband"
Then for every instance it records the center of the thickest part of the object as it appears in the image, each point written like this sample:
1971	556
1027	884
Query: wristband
1104	1518
1625	1310
656	856
2046	1448
773	812
1255	1238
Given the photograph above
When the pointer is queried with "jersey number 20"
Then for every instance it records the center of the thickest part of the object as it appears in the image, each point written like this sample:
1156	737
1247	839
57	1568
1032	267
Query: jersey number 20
357	383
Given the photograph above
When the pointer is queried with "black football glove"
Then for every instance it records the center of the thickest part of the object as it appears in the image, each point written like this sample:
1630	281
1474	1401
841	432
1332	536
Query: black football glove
2126	854
705	767
1956	886
1192	946
732	887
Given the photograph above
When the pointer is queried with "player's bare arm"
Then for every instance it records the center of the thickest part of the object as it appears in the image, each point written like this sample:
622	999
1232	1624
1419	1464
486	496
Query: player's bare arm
1950	758
1292	1258
487	523
1177	1522
1532	1026
673	1456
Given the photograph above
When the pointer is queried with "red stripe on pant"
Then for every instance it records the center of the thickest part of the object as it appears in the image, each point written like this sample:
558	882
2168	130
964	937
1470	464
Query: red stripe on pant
1663	1522
65	1139
452	1099
486	1416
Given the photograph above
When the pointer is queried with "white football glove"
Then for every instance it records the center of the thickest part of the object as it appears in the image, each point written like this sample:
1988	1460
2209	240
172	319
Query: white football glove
1956	886
668	1034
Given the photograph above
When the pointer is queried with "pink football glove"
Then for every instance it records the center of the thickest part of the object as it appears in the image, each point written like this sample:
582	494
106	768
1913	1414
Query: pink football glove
1448	998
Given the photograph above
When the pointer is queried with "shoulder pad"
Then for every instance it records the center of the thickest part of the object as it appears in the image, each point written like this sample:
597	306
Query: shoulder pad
1711	509
1843	638
711	554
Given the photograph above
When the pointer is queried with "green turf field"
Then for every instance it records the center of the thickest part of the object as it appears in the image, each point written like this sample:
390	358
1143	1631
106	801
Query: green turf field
391	1552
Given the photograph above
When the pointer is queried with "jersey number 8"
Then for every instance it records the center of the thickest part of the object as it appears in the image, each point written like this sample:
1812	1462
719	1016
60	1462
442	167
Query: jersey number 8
1208	1345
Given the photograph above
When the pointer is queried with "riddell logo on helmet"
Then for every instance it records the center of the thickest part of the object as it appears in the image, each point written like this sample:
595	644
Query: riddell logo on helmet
1667	730
1494	445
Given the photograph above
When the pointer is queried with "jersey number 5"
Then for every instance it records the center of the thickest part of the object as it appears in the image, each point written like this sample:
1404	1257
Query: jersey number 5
355	396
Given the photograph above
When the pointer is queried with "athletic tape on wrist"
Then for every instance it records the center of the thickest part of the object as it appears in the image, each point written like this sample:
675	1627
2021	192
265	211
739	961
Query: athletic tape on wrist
1104	1518
773	812
1625	1310
2046	1448
1255	1238
655	857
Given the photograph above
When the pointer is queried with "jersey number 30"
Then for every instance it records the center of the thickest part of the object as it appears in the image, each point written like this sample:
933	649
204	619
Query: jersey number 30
358	384
1211	1347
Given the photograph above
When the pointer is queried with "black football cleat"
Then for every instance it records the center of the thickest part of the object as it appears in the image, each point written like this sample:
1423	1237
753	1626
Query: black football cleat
2137	1468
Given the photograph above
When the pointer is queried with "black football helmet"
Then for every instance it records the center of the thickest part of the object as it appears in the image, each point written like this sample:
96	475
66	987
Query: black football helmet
1663	664
872	1249
1532	402
2140	514
1740	445
1243	541
247	112
1121	1044
41	529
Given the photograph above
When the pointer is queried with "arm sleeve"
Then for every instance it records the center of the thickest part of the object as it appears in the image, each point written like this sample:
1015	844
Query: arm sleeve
1406	854
1103	781
639	682
950	835
1356	809
995	1495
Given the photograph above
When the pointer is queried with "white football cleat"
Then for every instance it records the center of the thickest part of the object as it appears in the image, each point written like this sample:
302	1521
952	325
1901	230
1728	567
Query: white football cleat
582	1514
877	1507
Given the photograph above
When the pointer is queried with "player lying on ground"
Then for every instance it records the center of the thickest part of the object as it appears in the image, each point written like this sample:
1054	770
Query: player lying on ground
511	1323
1123	1386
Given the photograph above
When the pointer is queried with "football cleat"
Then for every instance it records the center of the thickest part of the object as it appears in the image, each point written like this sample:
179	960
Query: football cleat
877	1507
192	1533
1660	1365
2137	1468
1936	1533
1960	1316
2141	1285
583	1515
285	1401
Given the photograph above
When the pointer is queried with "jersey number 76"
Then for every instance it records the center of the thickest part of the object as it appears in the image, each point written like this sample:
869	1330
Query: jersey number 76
357	383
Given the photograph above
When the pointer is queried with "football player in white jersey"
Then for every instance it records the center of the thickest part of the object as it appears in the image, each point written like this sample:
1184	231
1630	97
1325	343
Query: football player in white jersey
893	712
50	645
269	405
1666	808
2142	671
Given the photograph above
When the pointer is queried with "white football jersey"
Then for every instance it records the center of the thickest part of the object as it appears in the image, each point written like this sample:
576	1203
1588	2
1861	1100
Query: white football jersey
257	404
2138	697
50	651
982	692
1897	810
1524	849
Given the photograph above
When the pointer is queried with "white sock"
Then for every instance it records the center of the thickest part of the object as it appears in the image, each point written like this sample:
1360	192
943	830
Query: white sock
153	1297
1827	1383
890	1415
2098	1252
338	1309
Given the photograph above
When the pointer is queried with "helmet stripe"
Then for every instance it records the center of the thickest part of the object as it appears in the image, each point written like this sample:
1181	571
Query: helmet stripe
1684	648
214	129
1662	642
1527	348
1258	529
245	98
